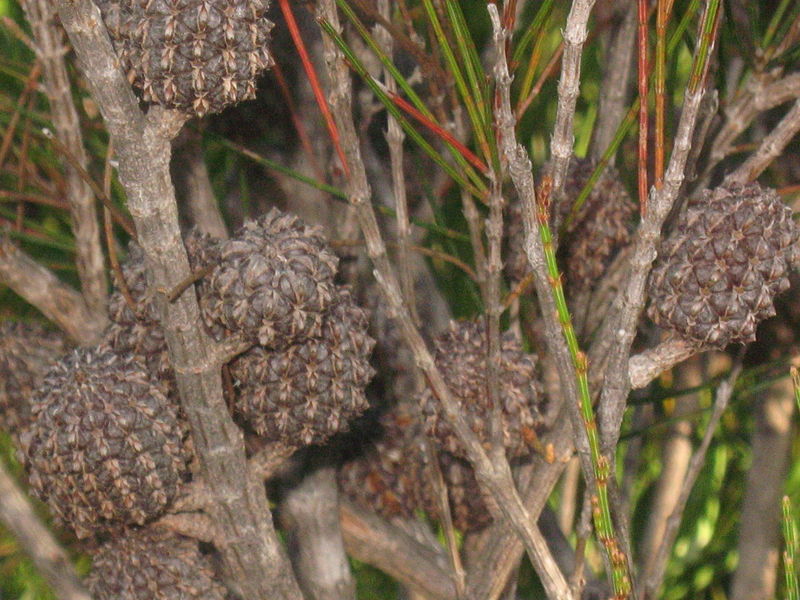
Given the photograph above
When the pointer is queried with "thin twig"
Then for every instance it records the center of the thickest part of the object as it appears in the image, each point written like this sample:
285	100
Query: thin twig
60	303
495	478
770	148
575	34
50	50
17	514
653	578
615	87
394	138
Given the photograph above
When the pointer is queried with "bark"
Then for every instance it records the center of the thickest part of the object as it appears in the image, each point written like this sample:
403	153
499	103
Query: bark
254	559
56	300
759	534
50	49
675	456
193	186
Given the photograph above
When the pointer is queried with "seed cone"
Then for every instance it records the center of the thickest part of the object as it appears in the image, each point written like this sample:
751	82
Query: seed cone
198	56
386	476
105	446
468	506
27	350
727	257
308	391
273	282
151	564
593	237
461	355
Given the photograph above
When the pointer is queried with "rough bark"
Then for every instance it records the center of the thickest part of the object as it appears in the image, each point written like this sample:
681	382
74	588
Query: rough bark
254	559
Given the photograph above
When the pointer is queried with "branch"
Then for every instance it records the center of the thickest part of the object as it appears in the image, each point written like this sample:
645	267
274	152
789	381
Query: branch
370	539
251	551
769	149
18	516
495	478
621	323
655	575
615	87
646	366
309	514
50	50
561	143
55	299
193	186
761	93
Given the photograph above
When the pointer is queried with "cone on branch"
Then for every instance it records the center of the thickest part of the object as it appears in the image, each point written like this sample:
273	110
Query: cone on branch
728	256
461	356
386	475
392	478
273	282
197	56
152	564
105	448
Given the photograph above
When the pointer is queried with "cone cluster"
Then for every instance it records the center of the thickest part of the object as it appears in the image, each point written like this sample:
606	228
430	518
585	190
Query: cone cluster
273	284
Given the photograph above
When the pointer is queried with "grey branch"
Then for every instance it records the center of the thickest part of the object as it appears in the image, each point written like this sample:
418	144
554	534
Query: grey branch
18	516
646	366
769	149
615	88
193	185
562	141
57	301
494	477
374	541
50	50
252	554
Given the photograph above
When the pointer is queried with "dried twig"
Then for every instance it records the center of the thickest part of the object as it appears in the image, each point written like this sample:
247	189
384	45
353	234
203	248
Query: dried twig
17	514
494	477
575	34
762	92
769	149
251	551
50	50
55	299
